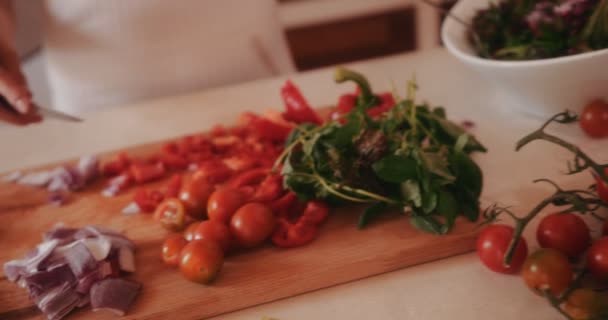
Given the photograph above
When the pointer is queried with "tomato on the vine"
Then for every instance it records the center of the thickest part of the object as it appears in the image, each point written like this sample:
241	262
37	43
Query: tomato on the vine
594	119
601	186
585	303
172	248
565	232
547	269
492	246
214	230
171	214
201	261
223	202
597	259
252	224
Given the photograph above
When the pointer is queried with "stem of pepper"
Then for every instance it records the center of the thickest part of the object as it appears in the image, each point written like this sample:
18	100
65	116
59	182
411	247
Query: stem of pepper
367	96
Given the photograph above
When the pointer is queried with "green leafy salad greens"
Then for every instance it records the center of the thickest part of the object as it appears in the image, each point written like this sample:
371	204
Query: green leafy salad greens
411	158
539	29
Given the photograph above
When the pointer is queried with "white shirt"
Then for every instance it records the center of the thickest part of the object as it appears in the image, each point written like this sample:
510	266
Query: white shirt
106	53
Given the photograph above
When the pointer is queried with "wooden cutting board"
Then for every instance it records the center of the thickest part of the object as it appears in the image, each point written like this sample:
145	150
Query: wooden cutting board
341	253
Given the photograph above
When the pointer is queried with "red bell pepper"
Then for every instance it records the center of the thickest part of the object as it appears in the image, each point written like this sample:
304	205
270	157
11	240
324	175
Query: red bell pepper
250	177
281	205
297	108
267	129
147	172
290	235
173	186
214	171
376	104
148	200
117	165
269	189
315	213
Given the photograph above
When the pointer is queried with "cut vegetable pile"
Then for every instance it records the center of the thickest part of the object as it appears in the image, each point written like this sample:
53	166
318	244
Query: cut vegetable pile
72	268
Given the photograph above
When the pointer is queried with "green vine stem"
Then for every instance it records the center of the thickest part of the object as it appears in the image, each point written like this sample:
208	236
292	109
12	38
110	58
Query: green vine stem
581	201
581	162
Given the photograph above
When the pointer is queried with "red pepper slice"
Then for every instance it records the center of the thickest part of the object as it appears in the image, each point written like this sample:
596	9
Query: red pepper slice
147	172
387	103
315	213
267	129
174	161
297	108
148	200
173	186
250	177
117	165
288	235
281	205
269	189
214	171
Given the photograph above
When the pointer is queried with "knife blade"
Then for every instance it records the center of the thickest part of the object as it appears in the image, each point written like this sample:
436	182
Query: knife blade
56	114
47	112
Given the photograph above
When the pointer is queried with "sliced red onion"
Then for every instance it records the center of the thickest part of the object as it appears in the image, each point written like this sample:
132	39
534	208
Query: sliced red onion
80	259
40	281
126	259
88	168
61	233
15	268
131	208
12	177
38	179
57	199
98	247
115	185
58	302
115	295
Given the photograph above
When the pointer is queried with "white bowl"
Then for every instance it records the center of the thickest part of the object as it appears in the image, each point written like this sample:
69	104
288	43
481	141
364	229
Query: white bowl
536	87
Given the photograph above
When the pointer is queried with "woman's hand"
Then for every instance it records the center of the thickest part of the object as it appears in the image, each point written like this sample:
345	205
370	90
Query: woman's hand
15	96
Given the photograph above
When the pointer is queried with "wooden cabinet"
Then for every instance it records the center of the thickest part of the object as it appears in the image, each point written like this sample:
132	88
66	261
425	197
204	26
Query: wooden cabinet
353	39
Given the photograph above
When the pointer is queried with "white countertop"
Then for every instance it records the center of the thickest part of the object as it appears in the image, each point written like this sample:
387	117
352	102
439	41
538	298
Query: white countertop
454	288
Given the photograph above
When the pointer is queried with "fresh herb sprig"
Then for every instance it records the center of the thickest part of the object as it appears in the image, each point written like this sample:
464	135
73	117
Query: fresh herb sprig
411	158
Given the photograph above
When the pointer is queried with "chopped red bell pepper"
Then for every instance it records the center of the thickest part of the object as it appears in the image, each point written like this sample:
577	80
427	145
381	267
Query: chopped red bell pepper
117	165
214	171
271	188
281	205
147	172
148	200
315	213
267	129
290	235
173	186
174	161
250	177
297	108
376	104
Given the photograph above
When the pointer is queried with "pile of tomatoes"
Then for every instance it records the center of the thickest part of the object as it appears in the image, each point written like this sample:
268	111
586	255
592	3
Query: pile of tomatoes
570	268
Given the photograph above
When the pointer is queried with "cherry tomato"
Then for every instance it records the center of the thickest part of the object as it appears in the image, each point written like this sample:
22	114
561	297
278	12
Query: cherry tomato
223	203
194	196
189	232
547	269
492	246
602	187
597	259
586	304
173	186
252	224
172	248
594	119
214	231
565	232
201	261
171	214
